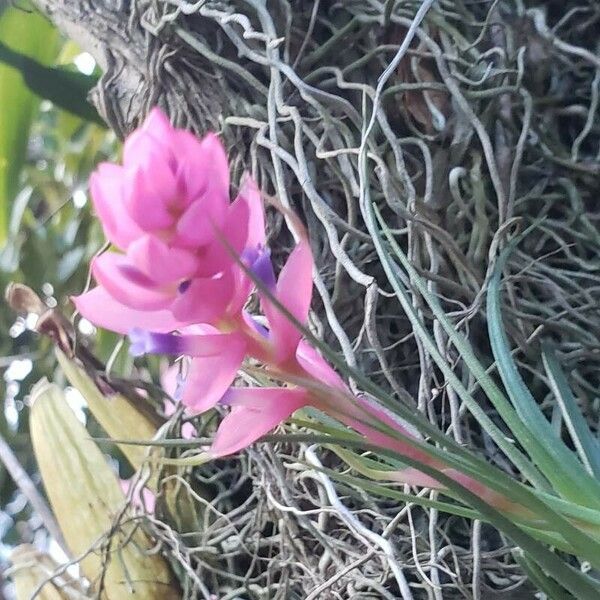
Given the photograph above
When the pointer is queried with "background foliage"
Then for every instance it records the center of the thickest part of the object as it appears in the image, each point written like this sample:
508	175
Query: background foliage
48	234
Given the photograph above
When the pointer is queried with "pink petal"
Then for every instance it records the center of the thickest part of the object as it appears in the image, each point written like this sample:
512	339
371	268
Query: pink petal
147	195
314	364
294	291
158	125
250	195
138	146
204	300
231	237
198	224
210	377
170	383
214	158
255	412
161	263
99	307
161	181
188	431
203	165
219	344
127	284
169	380
106	187
155	136
243	228
217	256
143	499
242	286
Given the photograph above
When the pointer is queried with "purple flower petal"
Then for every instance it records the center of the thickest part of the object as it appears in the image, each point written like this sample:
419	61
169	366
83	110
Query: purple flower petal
259	262
148	342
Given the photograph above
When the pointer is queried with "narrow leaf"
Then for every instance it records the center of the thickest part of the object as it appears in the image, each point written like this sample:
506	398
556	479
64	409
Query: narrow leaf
586	443
500	403
558	463
35	37
582	586
65	88
544	456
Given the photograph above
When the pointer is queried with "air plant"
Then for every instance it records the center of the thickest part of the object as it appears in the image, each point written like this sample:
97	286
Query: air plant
187	263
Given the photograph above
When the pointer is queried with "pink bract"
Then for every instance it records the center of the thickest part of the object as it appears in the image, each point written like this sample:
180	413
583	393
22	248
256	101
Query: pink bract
166	208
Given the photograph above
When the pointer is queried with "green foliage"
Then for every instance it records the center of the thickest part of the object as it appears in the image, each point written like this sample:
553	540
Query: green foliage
51	237
66	88
34	38
587	445
574	488
558	463
532	519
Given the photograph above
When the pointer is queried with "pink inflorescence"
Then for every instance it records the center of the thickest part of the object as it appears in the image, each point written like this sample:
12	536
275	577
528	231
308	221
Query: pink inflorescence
175	285
166	210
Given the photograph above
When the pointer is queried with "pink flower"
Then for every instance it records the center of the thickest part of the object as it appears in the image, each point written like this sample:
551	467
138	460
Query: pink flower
167	209
217	357
254	412
215	360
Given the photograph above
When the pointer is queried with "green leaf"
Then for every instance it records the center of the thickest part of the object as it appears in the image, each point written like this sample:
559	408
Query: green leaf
540	513
462	345
546	456
558	463
548	537
587	445
580	585
544	583
35	37
388	492
409	414
450	453
66	88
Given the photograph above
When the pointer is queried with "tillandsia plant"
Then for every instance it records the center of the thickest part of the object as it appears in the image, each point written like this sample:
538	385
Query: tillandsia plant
177	282
191	267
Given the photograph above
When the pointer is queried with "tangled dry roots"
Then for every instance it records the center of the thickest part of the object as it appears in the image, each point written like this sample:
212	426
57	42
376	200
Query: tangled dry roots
487	119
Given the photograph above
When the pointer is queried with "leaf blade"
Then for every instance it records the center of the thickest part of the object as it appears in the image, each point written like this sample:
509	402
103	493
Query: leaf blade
557	462
33	36
586	444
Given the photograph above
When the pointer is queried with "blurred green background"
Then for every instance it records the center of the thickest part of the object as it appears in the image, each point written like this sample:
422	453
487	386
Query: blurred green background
50	140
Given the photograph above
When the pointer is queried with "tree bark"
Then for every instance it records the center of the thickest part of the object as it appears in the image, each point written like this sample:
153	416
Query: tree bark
141	67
